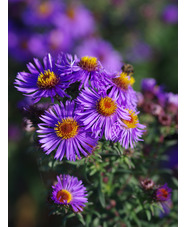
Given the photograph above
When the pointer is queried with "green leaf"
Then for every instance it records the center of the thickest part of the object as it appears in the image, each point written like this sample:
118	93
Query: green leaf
105	224
175	181
81	219
96	222
93	172
100	193
148	213
152	209
136	219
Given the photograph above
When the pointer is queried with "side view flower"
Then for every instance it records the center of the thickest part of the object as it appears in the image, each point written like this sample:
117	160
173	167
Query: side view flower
122	83
69	191
62	130
41	82
128	132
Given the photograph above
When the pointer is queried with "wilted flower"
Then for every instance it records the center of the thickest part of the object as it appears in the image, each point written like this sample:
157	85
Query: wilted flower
69	191
156	109
147	184
165	119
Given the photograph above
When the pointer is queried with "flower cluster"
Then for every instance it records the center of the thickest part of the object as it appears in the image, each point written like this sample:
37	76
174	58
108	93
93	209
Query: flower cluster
55	25
156	101
105	107
158	193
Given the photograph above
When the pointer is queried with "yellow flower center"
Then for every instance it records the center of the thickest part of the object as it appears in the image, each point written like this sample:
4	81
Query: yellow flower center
106	106
133	121
70	13
164	193
45	9
123	81
64	195
67	128
47	79
88	63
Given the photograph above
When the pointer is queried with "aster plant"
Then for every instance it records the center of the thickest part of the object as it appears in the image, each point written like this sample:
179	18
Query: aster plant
91	134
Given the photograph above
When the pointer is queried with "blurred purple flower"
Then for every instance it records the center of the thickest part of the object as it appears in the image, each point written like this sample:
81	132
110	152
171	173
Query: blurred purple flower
170	14
14	133
103	50
151	90
148	84
57	41
172	98
163	193
37	45
172	103
166	205
172	161
76	21
42	13
160	94
18	44
139	52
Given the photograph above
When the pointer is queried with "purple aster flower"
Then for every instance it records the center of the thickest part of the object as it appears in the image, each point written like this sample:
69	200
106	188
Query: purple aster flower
76	21
69	191
100	111
139	52
151	90
172	154
160	94
128	132
121	84
18	44
172	103
14	132
42	13
172	98
62	130
148	84
140	99
170	14
37	45
110	58
166	205
57	40
163	193
41	81
85	70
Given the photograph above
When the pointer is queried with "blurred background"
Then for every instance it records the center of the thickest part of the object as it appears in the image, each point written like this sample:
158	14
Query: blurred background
141	33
